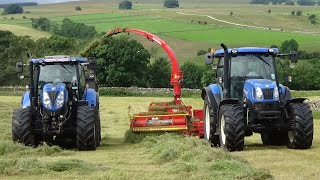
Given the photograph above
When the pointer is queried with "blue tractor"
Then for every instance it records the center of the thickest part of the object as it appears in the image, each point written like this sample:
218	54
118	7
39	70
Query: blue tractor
248	98
61	104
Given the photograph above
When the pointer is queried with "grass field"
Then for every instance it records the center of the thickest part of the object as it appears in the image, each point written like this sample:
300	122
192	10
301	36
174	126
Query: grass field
168	156
24	31
178	29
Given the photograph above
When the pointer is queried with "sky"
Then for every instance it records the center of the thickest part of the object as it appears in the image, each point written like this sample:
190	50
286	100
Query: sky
38	1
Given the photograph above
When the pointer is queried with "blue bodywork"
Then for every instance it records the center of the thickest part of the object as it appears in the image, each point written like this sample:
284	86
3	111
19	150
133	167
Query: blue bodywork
25	101
249	50
54	88
251	84
90	95
54	59
216	89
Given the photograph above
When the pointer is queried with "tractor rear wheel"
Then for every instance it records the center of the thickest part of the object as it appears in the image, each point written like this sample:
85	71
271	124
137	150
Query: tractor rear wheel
231	126
86	128
274	138
301	120
22	129
210	123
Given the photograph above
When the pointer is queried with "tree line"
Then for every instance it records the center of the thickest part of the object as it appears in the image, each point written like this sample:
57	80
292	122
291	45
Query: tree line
124	62
287	2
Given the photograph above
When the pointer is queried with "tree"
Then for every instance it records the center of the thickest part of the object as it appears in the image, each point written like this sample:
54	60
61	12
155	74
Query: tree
42	24
122	62
287	46
312	18
201	52
171	3
125	5
12	49
76	30
299	13
231	13
78	8
159	73
13	9
55	45
269	11
306	2
290	3
192	75
293	13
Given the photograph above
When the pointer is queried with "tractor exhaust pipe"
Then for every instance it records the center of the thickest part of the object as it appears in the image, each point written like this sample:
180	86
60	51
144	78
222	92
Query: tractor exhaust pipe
226	82
31	83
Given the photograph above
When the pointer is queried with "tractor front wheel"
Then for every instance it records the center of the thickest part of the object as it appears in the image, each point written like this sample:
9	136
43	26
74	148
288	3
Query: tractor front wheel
210	123
231	126
301	120
22	129
86	128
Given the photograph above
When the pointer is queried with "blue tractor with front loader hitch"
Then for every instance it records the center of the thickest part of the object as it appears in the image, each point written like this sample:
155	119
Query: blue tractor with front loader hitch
247	98
59	106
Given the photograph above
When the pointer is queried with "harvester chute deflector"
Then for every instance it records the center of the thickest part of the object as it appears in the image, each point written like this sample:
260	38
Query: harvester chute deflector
166	116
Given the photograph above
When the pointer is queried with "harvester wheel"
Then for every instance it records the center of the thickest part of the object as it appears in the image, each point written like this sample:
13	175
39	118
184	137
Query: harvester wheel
231	126
210	123
274	138
22	130
86	128
301	120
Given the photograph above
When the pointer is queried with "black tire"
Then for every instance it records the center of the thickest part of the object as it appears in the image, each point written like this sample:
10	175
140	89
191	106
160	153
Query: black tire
274	138
86	128
301	119
231	126
98	122
210	123
98	128
22	127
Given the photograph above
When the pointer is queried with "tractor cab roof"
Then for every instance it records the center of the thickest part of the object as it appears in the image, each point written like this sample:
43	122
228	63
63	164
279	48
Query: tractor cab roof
249	50
60	59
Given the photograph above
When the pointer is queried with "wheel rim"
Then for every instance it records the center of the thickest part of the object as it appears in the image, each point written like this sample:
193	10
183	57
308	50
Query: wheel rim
290	136
222	133
207	120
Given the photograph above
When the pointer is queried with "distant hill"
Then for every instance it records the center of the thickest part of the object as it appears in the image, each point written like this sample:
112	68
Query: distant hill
37	1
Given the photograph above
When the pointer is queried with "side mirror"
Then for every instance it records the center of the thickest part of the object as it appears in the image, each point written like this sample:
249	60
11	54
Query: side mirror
19	67
209	58
293	56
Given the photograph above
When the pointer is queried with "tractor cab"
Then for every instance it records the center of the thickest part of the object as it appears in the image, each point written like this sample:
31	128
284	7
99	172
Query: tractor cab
250	66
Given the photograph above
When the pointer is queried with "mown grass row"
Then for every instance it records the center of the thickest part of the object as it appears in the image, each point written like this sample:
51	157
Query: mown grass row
177	157
194	158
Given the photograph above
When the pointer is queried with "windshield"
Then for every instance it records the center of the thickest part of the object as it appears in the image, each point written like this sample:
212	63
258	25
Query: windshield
57	73
253	66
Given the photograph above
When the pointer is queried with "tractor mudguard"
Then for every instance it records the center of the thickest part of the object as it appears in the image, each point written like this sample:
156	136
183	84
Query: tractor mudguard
285	94
90	96
229	101
25	101
214	99
296	100
214	94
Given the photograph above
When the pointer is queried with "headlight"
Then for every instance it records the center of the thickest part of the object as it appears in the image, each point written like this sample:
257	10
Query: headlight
46	100
60	100
259	94
276	93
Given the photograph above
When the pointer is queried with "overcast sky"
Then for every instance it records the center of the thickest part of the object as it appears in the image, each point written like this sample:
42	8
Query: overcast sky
38	1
